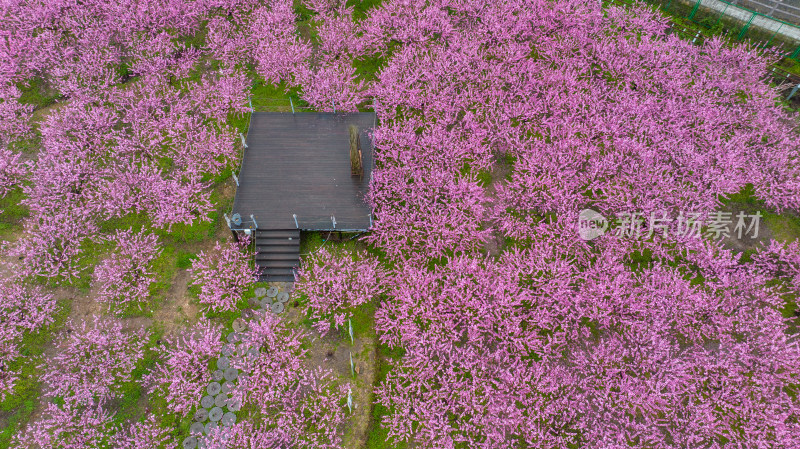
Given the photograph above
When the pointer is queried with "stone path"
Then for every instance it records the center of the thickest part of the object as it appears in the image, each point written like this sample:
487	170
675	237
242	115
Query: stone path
218	406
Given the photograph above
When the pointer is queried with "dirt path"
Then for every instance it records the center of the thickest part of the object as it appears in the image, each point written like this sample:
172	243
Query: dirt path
501	169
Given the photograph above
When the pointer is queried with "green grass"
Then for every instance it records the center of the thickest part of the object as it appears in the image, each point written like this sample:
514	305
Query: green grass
310	242
745	197
224	174
184	259
226	317
363	320
28	145
362	7
378	435
784	227
367	67
193	233
16	422
13	212
92	252
165	266
36	93
790	65
129	405
134	222
21	403
640	260
483	177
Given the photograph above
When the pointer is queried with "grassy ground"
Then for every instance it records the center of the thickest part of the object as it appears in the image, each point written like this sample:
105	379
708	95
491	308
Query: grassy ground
183	243
11	213
159	313
165	311
371	359
378	436
18	407
782	227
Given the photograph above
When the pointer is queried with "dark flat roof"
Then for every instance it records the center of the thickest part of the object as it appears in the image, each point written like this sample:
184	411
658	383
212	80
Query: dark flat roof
300	164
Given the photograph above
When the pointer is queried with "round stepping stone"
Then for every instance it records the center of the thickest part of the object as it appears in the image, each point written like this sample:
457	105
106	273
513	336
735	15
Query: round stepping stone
261	291
229	419
213	388
221	400
241	349
227	350
234	405
233	337
276	307
201	415
226	388
215	414
190	443
272	292
248	314
211	425
217	375
283	297
239	325
207	401
223	362
266	302
253	301
231	374
196	428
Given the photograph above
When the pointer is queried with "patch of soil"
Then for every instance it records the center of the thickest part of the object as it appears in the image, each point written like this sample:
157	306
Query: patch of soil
9	265
501	169
177	308
746	241
83	307
329	352
366	375
332	352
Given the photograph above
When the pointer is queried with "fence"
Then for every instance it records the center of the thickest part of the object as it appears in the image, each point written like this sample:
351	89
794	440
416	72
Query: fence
779	9
787	82
736	21
278	105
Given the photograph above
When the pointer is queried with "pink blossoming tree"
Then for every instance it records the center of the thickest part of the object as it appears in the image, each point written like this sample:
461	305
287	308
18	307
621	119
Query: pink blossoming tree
337	283
12	171
93	358
125	277
183	373
298	405
223	274
69	426
147	434
24	309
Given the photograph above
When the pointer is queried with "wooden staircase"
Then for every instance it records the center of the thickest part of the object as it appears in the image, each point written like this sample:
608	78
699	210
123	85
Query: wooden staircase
277	254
